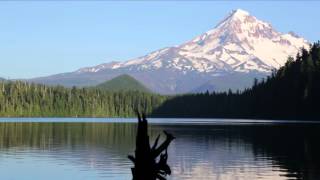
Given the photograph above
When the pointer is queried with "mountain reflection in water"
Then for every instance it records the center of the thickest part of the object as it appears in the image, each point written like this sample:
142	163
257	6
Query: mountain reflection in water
97	151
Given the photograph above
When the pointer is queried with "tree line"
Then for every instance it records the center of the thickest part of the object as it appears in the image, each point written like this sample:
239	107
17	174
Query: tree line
292	92
22	99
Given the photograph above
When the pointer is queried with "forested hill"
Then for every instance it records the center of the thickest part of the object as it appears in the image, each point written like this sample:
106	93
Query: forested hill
19	99
293	92
123	83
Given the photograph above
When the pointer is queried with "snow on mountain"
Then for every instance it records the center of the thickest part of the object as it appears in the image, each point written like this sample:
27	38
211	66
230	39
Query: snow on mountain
240	44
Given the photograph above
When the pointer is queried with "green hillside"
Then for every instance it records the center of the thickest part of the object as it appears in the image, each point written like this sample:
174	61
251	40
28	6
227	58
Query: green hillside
123	83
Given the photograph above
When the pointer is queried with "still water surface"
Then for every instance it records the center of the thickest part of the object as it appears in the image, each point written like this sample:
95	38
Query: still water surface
97	149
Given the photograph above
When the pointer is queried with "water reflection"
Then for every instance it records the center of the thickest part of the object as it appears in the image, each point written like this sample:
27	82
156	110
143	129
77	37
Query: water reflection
99	151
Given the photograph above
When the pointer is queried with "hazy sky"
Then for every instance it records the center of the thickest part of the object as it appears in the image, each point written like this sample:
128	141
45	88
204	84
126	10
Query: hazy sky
42	38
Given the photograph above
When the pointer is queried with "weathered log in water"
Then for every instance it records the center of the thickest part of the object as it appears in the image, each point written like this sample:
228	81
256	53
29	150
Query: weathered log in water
146	166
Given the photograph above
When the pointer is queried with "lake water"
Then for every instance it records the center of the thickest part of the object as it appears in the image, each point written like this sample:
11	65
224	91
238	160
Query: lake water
97	149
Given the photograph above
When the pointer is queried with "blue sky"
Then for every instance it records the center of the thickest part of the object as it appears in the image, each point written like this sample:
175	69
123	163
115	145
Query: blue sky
42	38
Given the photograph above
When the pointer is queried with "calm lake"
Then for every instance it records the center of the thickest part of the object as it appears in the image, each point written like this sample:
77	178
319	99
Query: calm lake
97	149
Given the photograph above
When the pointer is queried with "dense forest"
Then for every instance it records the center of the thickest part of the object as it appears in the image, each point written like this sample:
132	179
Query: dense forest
292	92
19	99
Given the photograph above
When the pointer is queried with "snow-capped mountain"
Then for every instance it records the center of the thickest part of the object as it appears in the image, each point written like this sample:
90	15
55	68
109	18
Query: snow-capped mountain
239	46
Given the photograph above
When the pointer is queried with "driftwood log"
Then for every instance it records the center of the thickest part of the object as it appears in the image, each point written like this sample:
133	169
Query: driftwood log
150	163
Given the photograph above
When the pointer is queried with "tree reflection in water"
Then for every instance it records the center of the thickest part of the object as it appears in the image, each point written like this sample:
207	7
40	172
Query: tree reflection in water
200	151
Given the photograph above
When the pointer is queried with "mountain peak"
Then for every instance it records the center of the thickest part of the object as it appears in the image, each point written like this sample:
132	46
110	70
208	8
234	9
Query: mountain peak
239	19
239	13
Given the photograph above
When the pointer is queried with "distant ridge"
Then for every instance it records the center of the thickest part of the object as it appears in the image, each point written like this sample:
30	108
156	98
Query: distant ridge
123	83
